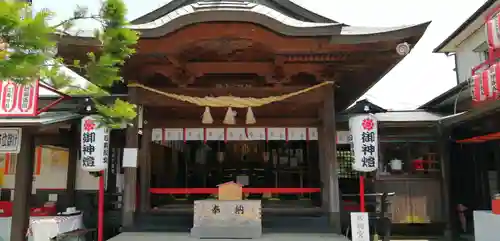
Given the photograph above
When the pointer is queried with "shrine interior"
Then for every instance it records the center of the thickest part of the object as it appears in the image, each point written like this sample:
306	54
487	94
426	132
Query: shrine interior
278	165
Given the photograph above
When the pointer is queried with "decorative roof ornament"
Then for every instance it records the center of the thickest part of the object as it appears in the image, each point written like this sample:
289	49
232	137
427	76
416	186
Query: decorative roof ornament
207	117
230	102
250	118
403	48
229	119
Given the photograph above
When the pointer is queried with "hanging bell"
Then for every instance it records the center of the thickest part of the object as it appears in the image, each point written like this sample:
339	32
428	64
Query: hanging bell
229	119
207	117
250	119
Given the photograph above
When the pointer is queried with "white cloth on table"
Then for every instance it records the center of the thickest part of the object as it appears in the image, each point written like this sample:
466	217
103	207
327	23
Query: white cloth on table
45	228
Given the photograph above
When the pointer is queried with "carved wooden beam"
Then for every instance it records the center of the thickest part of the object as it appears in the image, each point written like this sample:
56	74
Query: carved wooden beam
260	68
179	73
279	75
257	92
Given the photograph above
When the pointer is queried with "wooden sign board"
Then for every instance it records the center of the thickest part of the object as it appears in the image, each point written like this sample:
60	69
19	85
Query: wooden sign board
230	191
10	140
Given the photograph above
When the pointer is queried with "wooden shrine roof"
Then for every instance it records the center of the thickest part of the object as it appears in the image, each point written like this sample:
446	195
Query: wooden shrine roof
46	118
256	48
253	12
284	6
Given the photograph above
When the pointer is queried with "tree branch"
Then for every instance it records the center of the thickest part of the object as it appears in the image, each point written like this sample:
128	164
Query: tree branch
72	19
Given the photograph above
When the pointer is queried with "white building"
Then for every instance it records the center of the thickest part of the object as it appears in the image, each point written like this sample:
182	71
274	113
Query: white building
468	42
469	45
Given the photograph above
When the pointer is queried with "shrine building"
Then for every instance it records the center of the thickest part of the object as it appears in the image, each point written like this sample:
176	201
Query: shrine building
243	91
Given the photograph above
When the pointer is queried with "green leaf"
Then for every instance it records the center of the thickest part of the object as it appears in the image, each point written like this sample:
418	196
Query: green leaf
30	54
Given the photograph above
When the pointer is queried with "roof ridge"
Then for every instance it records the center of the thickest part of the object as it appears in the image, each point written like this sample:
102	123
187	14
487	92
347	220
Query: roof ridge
286	5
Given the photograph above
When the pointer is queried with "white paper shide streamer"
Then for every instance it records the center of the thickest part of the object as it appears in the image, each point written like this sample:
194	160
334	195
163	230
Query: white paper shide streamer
364	131
94	145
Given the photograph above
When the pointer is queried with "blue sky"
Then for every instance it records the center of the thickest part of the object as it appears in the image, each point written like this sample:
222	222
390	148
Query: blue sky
421	76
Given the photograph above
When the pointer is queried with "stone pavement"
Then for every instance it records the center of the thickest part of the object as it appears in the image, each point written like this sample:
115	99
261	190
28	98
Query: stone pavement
155	236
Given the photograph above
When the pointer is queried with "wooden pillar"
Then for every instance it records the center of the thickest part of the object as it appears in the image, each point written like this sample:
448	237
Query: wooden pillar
322	171
145	168
23	185
448	208
130	173
74	148
328	147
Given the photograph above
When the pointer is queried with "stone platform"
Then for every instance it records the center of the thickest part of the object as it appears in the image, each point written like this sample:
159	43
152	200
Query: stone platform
240	219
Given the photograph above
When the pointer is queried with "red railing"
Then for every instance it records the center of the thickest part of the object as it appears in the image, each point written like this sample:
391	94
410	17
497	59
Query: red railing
283	190
480	139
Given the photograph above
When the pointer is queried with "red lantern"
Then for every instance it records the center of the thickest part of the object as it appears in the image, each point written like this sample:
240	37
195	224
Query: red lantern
477	88
494	76
493	31
485	84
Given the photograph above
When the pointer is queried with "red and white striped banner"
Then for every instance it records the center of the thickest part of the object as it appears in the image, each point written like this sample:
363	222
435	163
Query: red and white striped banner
485	85
18	100
493	31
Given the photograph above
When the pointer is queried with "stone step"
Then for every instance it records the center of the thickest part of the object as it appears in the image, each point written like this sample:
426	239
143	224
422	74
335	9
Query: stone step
231	232
270	223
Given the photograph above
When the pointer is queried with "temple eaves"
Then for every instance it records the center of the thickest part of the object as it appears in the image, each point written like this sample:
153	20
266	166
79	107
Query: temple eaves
245	11
260	14
284	6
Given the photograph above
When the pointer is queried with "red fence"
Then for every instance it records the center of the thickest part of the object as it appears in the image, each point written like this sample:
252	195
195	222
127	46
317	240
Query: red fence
245	190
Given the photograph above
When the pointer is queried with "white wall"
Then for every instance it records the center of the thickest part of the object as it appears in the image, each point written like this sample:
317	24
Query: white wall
466	57
53	172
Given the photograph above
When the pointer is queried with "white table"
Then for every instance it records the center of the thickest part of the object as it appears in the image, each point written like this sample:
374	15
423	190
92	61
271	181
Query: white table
45	228
486	226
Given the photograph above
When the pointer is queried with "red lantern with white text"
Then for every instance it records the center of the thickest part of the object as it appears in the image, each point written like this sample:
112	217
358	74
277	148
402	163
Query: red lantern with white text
18	100
477	90
493	31
494	77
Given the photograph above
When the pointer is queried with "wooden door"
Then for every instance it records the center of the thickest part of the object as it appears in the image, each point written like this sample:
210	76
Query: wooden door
400	206
426	201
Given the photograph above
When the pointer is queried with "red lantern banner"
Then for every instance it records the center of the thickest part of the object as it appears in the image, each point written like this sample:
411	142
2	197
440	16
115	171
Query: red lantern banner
18	100
485	85
493	31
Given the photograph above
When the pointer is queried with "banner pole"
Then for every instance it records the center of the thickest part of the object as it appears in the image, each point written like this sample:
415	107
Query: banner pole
100	209
362	192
